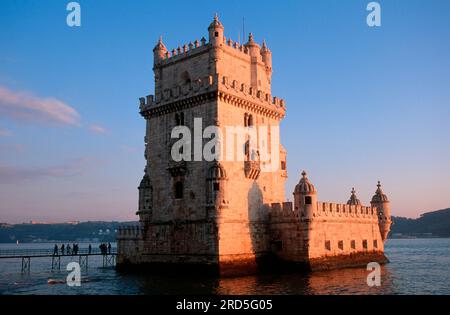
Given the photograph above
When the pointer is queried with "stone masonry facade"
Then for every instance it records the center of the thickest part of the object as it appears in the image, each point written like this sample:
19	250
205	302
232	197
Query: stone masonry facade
230	214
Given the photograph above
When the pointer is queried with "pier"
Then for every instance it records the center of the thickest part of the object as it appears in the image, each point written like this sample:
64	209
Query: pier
82	255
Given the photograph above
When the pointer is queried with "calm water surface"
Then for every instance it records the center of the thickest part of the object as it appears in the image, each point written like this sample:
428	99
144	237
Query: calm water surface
418	266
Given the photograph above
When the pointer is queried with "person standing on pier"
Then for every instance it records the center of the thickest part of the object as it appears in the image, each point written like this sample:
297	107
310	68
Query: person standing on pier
68	249
55	251
109	248
89	249
62	249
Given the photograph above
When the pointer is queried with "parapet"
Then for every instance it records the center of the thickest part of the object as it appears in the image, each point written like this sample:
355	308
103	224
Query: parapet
184	51
326	209
197	47
283	211
252	94
196	86
129	232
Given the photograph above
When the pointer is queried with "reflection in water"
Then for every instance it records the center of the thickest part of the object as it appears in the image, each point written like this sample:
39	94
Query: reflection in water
417	267
348	281
343	281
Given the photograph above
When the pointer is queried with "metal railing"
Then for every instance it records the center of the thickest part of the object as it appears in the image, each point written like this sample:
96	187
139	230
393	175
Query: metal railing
4	253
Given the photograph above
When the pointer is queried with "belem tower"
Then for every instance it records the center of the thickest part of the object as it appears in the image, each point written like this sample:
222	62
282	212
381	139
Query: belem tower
231	215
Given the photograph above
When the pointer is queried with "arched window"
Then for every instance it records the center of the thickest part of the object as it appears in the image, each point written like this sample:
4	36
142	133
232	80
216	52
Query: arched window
308	200
179	119
178	190
250	120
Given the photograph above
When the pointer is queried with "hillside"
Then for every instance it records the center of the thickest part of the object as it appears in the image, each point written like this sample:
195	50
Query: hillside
436	223
85	231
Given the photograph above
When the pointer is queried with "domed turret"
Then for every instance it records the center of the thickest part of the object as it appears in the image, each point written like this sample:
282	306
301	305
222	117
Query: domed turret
381	202
159	52
379	196
252	46
304	186
353	199
215	30
216	186
305	197
216	172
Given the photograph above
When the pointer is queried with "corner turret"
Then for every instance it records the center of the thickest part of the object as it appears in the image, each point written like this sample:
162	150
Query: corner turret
381	202
305	197
145	198
215	30
252	46
159	52
266	55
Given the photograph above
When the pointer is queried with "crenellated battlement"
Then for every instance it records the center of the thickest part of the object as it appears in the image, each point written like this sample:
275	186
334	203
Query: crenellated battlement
283	212
129	232
325	210
211	83
187	50
184	51
244	90
195	87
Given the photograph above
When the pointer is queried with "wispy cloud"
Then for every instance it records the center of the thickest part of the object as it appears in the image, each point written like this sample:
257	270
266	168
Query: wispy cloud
11	147
97	129
21	105
5	132
13	174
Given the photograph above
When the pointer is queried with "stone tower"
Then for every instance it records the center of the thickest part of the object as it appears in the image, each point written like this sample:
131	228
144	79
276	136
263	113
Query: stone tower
197	210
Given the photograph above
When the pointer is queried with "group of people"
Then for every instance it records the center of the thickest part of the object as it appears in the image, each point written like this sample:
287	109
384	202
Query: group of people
105	248
68	250
73	250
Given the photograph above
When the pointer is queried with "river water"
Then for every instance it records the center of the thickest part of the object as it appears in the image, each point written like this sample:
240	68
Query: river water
418	266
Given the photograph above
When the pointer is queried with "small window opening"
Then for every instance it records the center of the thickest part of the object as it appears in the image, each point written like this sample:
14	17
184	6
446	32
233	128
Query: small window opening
364	244
178	190
308	200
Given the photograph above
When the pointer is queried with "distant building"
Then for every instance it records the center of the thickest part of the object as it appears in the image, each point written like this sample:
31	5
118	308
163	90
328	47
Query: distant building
231	215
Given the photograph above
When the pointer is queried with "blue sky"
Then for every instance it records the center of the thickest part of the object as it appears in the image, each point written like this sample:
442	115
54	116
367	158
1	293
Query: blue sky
364	104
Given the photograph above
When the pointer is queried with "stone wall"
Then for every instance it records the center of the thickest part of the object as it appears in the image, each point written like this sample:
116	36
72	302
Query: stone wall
335	233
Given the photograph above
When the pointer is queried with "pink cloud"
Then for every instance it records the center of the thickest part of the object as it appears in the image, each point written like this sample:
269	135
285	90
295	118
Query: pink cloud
20	105
13	174
97	129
